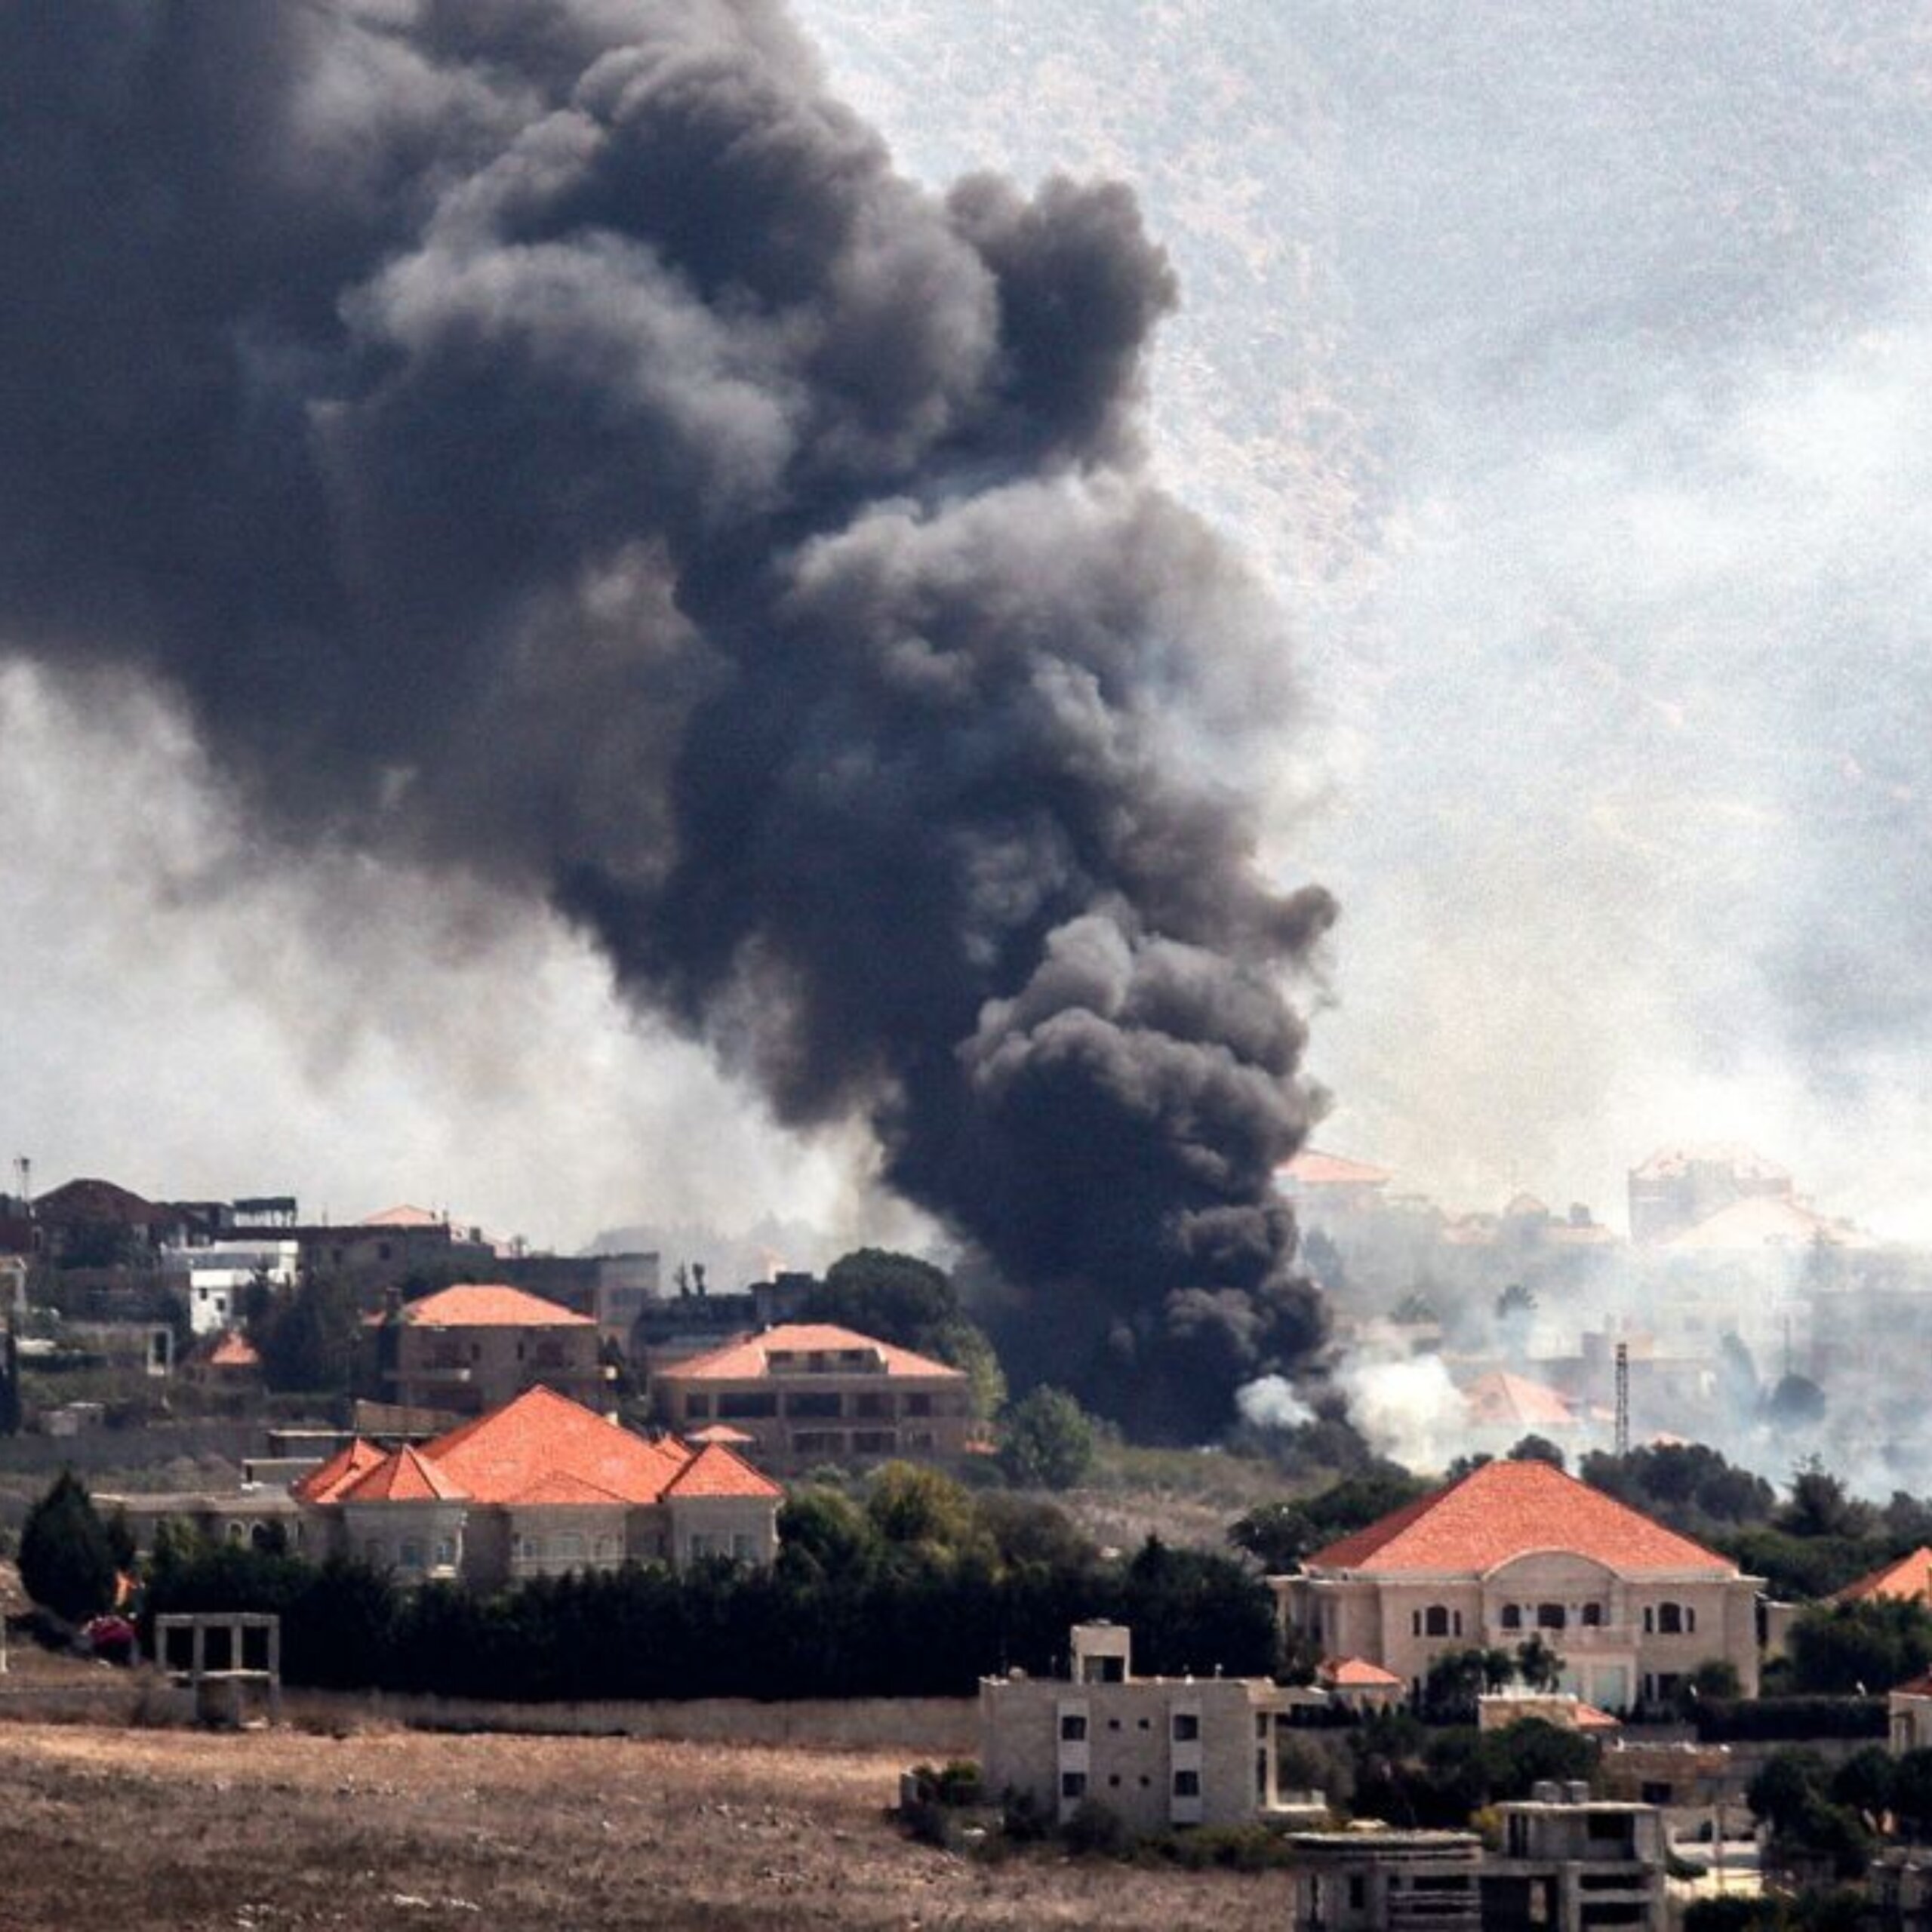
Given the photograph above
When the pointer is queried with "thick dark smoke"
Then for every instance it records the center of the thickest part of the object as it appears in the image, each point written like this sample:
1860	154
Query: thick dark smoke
550	440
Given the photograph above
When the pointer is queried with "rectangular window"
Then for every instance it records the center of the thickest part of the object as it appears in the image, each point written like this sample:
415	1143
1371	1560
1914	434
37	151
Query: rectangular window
919	1405
1187	1727
745	1404
1187	1784
742	1551
1073	1784
697	1408
1073	1729
818	1402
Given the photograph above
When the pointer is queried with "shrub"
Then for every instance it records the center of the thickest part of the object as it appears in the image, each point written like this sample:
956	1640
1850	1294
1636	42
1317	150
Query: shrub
66	1557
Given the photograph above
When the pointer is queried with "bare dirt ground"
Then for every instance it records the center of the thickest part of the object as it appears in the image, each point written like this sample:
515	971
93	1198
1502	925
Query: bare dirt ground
273	1830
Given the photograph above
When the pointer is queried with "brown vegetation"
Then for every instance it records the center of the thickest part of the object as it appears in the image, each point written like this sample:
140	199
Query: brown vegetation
280	1829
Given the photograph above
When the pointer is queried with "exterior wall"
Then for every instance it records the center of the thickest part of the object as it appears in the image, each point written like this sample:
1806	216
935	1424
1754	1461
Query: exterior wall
415	1542
1573	1867
1386	1881
1158	1751
555	1539
742	1527
1911	1722
799	1417
470	1371
1622	1640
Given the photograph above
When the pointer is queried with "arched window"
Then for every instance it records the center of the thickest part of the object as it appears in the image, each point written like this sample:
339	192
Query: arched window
1435	1620
1512	1616
1670	1618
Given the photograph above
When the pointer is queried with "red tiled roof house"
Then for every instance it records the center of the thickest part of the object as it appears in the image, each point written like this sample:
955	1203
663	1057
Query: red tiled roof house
811	1392
1515	1549
470	1349
538	1487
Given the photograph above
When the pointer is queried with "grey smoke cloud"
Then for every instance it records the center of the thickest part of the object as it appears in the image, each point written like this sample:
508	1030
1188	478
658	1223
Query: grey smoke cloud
550	446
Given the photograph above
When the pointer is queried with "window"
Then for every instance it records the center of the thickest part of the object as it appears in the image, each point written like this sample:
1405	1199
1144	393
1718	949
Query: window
1551	1616
1073	1784
1187	1727
445	1553
872	1407
570	1547
1593	1617
1435	1620
1358	1891
741	1547
919	1405
745	1404
1670	1618
1187	1784
1690	1616
411	1557
813	1402
697	1408
1073	1729
1512	1616
699	1547
1650	1619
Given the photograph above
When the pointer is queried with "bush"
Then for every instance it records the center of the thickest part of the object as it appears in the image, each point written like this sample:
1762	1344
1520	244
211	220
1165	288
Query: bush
66	1556
1095	1831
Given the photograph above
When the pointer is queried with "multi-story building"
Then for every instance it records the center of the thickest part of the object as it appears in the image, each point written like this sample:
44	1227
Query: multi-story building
1155	1751
1520	1549
1576	1865
1679	1187
810	1393
539	1488
468	1349
213	1277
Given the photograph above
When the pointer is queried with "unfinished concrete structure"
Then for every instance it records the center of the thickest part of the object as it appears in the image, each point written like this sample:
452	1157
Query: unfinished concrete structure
225	1659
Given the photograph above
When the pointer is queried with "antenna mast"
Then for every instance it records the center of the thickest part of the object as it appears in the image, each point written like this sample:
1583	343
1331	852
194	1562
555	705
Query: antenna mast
1622	1399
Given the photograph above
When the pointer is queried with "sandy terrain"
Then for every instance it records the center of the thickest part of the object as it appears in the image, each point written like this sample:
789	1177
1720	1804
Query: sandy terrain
268	1831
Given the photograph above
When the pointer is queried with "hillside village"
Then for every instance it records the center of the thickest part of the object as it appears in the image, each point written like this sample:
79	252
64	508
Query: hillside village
438	1465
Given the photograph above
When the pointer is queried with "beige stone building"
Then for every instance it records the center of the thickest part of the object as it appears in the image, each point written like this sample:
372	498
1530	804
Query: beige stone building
809	1392
539	1488
1156	1751
1519	1549
471	1349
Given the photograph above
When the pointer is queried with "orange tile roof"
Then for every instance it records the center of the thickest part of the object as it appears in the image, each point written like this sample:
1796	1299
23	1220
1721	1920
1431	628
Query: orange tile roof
748	1357
508	1455
1358	1673
1908	1580
719	1431
1504	1510
405	1476
1312	1168
345	1466
715	1471
1501	1399
402	1216
1745	1162
234	1350
490	1305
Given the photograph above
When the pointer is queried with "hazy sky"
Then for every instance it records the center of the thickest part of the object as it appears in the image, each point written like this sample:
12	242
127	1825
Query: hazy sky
1565	366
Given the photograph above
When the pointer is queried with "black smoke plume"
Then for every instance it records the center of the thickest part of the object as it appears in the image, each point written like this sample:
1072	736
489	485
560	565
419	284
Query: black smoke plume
550	440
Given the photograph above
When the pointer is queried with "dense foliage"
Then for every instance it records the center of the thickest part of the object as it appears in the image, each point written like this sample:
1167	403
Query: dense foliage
918	1591
68	1555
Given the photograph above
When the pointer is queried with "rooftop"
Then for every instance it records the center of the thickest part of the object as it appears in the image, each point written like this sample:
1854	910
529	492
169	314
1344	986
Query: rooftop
754	1355
1907	1580
490	1305
1504	1510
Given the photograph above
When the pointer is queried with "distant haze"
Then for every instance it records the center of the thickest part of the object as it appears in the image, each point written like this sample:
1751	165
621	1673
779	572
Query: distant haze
1565	367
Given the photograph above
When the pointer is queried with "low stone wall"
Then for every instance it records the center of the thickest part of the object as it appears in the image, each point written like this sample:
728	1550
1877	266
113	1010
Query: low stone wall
936	1728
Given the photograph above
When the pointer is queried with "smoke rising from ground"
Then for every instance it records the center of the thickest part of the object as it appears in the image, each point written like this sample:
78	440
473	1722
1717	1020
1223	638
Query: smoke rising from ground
550	445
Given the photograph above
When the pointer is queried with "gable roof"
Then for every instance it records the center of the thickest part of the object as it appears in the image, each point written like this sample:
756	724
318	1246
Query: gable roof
234	1350
407	1475
1504	1510
751	1355
715	1471
490	1305
1358	1674
1908	1579
347	1465
508	1455
1312	1168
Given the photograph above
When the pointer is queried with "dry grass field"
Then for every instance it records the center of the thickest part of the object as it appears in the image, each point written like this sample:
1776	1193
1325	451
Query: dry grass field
271	1830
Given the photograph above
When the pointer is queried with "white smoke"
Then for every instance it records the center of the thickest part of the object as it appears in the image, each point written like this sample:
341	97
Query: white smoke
1270	1402
1408	1410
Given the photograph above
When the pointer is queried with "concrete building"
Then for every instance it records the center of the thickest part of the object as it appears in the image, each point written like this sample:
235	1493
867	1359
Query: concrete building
1576	1866
810	1393
539	1488
1679	1187
1157	1751
212	1278
1380	1881
470	1349
1517	1549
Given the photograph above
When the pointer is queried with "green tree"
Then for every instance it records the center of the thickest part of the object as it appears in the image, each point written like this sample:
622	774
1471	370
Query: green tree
910	1504
900	1298
312	1341
1278	1535
1539	1666
1453	1683
1046	1440
1821	1506
66	1558
1535	1448
9	1386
